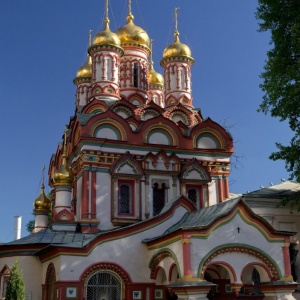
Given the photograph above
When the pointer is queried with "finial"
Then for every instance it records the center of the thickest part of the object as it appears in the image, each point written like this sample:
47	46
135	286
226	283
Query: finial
106	20
64	155
90	37
129	7
151	58
43	178
130	15
106	9
176	33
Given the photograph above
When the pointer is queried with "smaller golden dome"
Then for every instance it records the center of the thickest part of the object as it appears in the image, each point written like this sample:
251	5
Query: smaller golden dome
106	37
63	176
154	77
85	70
42	203
130	33
177	49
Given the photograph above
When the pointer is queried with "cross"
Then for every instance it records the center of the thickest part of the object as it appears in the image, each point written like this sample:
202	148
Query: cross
106	9
176	18
129	7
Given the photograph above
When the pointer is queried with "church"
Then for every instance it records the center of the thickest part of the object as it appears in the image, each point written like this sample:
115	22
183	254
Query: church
140	206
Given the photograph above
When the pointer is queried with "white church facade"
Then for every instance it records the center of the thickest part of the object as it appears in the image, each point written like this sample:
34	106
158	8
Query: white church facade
140	200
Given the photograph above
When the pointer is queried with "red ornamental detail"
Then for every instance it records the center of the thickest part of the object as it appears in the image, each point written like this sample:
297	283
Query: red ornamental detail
156	262
260	256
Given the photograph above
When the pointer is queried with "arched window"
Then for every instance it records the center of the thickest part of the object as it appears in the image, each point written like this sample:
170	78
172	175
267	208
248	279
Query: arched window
50	281
159	197
104	285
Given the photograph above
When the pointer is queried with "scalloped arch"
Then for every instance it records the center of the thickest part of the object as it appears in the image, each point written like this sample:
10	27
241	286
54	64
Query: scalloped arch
244	249
158	257
109	127
96	109
208	138
106	266
160	134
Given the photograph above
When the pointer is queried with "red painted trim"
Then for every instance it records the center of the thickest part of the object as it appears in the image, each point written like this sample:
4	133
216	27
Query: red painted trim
214	271
222	263
93	195
85	195
186	248
171	271
157	270
123	274
258	264
220	189
286	260
226	188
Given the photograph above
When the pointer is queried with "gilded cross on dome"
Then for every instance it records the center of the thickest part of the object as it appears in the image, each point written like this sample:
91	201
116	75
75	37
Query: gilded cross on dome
176	18
129	7
106	9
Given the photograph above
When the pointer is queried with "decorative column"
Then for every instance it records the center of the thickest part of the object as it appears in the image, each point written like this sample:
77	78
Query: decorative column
186	249
88	221
286	259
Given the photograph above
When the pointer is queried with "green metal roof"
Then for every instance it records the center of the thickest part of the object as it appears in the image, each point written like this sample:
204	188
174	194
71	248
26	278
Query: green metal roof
201	218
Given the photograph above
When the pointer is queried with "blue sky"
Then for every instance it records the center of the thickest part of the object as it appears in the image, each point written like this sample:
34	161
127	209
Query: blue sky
43	43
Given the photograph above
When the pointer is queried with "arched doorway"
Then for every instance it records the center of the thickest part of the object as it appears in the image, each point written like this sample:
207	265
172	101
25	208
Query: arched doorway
104	285
252	276
219	275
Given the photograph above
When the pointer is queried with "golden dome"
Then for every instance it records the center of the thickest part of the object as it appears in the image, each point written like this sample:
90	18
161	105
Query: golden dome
63	176
106	37
85	70
154	77
42	203
177	49
130	33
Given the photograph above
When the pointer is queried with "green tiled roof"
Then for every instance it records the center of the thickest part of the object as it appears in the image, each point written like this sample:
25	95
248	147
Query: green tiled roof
62	238
201	218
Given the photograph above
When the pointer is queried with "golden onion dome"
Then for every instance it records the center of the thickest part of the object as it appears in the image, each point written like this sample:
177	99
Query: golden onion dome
63	176
154	77
130	33
106	37
85	70
177	49
42	203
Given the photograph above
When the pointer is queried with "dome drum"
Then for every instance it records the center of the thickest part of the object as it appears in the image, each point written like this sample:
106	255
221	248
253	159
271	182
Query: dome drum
180	58
105	47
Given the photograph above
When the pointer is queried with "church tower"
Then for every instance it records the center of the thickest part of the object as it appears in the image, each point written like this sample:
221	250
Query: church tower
134	63
177	62
106	51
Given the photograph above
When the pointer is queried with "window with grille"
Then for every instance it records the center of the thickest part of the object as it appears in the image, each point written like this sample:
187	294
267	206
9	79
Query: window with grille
104	285
159	197
126	197
195	194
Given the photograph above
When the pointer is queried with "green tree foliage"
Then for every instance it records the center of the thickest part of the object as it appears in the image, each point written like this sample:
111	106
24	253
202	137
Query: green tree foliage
15	285
281	76
30	226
